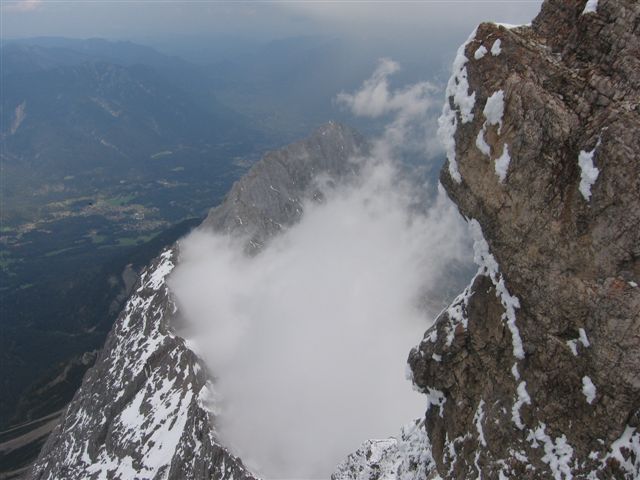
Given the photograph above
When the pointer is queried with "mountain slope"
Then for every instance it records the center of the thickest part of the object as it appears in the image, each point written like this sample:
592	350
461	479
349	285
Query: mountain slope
145	408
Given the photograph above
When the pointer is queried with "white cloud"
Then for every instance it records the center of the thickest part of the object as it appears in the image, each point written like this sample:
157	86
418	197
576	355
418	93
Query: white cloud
414	123
308	339
21	5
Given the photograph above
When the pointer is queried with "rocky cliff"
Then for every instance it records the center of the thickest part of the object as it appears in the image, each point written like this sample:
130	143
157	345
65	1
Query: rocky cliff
147	408
534	370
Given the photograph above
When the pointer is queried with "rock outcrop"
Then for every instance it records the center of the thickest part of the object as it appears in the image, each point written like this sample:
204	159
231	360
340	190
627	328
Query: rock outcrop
534	370
147	408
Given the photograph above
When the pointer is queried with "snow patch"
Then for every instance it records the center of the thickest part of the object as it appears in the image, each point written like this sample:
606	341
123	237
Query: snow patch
523	398
482	145
480	52
457	91
457	313
626	450
557	454
494	109
477	420
502	163
489	266
588	389
590	7
588	172
582	338
495	48
435	398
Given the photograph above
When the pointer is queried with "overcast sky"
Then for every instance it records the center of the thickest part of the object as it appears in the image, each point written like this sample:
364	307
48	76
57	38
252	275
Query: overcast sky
125	19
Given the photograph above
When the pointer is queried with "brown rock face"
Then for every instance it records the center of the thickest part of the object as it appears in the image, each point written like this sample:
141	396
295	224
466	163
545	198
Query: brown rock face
538	362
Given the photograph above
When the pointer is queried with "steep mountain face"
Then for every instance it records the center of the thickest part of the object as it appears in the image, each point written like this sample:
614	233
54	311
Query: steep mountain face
146	409
268	198
534	370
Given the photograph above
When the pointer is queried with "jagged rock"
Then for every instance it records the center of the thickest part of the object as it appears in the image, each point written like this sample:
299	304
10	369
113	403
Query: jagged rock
407	457
145	410
534	371
141	411
269	197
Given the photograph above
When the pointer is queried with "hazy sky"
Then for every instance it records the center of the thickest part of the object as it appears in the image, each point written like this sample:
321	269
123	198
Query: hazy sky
153	18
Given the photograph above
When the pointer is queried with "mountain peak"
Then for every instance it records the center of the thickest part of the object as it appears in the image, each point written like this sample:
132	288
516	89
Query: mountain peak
271	195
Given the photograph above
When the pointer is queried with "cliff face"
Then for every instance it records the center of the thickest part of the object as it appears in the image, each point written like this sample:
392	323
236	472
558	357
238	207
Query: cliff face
147	408
534	371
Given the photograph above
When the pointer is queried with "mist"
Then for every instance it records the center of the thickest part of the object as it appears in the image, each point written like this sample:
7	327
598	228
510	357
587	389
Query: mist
308	338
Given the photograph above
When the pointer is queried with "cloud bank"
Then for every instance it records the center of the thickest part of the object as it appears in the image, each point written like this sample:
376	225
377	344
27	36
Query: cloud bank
412	111
308	339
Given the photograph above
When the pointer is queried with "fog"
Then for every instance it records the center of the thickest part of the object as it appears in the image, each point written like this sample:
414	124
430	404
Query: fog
308	339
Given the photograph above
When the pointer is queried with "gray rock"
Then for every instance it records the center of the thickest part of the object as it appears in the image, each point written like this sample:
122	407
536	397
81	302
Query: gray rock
269	197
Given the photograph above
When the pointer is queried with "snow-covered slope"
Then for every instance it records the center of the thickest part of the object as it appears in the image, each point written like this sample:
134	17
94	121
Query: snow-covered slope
144	410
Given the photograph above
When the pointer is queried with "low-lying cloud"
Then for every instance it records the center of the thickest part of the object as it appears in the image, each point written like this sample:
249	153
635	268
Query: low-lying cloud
308	339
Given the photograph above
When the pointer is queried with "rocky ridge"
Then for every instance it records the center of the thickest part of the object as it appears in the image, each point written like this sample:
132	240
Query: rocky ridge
534	370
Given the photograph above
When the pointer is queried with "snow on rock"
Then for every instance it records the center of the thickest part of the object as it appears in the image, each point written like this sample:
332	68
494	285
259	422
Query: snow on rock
481	143
626	450
495	48
523	398
494	109
590	7
436	398
515	372
489	266
477	420
588	389
407	457
139	413
557	453
457	313
588	172
480	52
582	339
457	92
502	164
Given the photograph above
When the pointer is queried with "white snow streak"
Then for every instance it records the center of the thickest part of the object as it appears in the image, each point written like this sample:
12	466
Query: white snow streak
588	172
502	164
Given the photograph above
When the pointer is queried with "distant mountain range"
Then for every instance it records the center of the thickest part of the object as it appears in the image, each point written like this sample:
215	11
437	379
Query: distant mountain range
102	151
